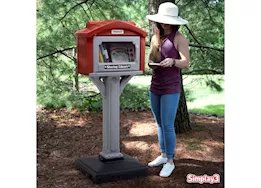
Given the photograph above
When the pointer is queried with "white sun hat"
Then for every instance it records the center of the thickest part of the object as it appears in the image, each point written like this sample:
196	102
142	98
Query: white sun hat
168	14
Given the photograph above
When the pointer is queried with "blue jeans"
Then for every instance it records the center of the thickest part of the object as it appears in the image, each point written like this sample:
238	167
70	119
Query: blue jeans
164	109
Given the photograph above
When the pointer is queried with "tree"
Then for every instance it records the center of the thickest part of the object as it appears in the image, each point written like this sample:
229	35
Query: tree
57	21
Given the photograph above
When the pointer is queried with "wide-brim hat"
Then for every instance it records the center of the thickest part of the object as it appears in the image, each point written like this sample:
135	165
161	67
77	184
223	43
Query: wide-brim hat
168	14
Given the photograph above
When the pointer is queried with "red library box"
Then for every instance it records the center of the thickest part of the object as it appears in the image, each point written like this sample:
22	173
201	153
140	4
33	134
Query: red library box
110	46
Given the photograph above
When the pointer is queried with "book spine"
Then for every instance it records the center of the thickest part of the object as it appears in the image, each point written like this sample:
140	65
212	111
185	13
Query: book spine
100	56
108	47
105	53
106	56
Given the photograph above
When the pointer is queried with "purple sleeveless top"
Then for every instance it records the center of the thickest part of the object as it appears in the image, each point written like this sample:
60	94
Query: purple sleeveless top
166	80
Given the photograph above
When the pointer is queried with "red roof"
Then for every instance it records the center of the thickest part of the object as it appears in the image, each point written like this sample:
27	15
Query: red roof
95	27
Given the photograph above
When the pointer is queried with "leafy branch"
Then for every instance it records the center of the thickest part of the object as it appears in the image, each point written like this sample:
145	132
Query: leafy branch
78	4
68	29
207	47
191	33
55	52
209	13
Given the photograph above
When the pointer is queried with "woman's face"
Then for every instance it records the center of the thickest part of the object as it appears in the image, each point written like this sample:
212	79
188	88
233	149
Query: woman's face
165	26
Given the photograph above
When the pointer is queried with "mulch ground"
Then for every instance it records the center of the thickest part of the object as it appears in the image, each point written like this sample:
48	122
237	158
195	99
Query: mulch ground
65	135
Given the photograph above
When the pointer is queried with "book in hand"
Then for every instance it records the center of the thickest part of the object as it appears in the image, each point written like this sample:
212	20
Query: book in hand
155	64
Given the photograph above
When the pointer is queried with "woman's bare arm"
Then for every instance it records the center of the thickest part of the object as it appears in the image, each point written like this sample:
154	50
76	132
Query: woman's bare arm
153	40
183	49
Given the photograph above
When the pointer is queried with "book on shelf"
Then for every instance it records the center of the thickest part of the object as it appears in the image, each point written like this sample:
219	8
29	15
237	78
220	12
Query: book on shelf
117	52
104	53
100	56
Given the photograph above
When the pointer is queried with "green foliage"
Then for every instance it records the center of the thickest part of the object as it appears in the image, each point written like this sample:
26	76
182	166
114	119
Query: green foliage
206	21
57	21
69	99
188	94
135	97
214	85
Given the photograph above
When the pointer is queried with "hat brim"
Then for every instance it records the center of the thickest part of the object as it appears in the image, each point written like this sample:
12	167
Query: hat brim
167	19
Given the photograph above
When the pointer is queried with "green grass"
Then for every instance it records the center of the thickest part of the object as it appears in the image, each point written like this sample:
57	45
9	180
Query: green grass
202	99
209	109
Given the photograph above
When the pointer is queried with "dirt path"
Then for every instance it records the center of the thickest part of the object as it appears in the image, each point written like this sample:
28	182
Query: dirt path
63	136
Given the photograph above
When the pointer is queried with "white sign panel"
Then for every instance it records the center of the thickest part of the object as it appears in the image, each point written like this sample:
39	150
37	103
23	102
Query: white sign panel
117	31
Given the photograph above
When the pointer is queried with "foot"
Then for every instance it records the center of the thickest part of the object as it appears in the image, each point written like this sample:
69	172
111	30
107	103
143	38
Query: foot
167	169
158	161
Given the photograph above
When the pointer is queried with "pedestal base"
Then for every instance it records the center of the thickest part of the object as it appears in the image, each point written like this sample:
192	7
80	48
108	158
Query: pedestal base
99	172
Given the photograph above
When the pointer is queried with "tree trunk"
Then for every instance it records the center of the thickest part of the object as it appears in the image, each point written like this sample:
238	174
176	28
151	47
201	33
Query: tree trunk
153	9
182	122
76	78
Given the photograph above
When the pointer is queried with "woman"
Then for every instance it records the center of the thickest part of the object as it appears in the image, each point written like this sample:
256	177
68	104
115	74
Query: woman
169	49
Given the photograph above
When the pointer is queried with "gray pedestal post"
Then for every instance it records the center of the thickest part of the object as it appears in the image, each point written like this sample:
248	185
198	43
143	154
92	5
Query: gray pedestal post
111	164
111	86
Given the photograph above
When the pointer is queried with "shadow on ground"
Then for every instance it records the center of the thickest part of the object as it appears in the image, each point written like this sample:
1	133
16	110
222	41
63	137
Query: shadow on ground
63	136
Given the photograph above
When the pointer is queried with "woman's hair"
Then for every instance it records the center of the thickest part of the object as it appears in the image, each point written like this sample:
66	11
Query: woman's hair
155	54
174	28
160	28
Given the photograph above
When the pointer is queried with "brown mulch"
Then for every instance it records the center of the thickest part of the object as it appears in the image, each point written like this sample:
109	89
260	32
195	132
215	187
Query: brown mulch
65	135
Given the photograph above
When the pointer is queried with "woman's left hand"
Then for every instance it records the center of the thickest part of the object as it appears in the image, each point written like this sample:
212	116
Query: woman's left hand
168	62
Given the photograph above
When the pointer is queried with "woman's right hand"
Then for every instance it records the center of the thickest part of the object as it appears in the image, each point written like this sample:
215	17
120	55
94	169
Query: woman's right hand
156	30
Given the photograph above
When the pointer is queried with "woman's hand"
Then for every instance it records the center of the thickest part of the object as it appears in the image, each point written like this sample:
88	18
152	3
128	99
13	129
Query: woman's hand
152	66
168	62
156	30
